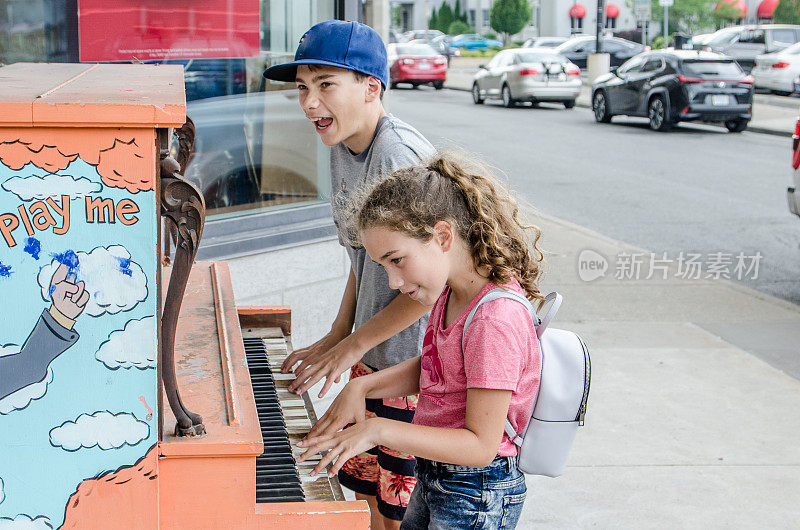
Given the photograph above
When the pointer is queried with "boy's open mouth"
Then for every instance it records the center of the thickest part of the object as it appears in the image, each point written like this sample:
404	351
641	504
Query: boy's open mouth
322	123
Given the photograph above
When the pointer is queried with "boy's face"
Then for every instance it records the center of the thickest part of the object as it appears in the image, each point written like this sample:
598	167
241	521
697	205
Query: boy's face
334	100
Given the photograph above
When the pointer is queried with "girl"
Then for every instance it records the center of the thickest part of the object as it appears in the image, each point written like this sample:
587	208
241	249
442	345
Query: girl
447	234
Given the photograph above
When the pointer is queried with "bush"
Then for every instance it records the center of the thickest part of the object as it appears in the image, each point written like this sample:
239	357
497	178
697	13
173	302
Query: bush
490	35
459	27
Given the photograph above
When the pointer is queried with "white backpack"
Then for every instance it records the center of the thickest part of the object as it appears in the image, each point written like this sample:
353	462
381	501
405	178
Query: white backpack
560	404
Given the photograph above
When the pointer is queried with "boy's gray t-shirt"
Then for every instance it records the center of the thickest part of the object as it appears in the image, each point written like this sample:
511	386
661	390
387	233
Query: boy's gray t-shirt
395	145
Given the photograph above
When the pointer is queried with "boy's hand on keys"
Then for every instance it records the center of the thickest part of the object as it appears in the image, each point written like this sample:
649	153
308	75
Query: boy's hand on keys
348	407
330	364
342	445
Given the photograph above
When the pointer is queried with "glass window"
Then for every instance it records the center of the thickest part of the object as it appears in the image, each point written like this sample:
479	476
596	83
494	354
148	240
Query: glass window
254	147
755	36
652	65
723	37
612	46
783	37
416	49
726	69
632	65
529	57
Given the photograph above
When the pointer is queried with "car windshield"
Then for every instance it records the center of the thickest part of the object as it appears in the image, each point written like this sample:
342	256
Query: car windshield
532	57
712	68
417	49
722	37
548	43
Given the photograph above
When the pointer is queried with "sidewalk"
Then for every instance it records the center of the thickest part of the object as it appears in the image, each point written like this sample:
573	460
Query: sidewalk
771	114
683	429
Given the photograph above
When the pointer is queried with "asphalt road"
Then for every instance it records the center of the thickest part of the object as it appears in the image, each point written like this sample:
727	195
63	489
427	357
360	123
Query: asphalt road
695	190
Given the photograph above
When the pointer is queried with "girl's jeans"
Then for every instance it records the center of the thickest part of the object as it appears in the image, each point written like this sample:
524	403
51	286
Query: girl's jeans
451	497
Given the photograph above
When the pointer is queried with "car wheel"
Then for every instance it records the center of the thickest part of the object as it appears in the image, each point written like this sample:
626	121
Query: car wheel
476	94
438	85
600	107
657	112
569	104
508	101
393	85
736	126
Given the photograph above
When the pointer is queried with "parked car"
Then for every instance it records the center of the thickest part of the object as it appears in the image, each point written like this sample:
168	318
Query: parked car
444	45
778	71
527	74
668	86
416	64
745	43
544	42
578	49
424	34
472	41
793	192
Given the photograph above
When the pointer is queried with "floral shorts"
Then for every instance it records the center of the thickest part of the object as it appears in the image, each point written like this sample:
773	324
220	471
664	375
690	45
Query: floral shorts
383	472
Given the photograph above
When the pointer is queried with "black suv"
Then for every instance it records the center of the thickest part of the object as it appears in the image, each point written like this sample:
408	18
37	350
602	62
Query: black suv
668	86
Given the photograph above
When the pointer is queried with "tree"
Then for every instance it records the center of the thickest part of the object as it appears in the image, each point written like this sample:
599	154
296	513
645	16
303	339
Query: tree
726	13
690	16
459	27
787	12
510	16
458	14
433	22
445	17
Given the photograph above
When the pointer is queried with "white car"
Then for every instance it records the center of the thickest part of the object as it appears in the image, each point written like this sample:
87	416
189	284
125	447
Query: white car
528	74
778	71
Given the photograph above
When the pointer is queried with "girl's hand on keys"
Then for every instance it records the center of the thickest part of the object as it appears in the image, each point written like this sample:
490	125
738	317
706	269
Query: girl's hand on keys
348	407
343	445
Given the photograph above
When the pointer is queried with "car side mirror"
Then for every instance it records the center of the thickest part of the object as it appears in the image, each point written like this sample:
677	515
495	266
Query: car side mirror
613	69
482	67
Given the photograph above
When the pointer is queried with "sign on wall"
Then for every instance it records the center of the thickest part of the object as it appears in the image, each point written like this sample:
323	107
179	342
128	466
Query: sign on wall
147	30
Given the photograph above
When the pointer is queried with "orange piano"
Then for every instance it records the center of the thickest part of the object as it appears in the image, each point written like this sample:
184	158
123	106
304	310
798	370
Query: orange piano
133	392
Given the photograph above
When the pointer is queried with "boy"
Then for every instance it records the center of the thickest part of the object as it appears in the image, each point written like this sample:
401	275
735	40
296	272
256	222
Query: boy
341	73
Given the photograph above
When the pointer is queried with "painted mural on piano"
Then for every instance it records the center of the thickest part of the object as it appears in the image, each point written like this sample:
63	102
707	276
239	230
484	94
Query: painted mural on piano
78	346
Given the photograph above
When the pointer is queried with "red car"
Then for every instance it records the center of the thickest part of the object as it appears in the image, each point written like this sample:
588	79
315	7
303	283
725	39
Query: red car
417	64
793	193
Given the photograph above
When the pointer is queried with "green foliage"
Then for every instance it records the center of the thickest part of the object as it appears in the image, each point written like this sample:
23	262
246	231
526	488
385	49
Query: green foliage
726	13
458	27
787	12
458	14
397	15
510	16
445	17
433	22
490	35
690	16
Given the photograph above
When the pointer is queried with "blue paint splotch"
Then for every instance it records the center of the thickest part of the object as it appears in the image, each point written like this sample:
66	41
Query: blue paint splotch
33	247
70	259
125	266
5	271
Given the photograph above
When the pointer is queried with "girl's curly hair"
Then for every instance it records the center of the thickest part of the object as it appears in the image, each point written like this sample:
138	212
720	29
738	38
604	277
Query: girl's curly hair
482	211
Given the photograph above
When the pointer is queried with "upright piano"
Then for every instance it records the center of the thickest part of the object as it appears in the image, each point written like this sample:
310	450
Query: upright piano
134	393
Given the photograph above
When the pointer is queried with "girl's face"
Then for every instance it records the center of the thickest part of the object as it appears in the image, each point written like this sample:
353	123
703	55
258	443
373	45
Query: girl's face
415	268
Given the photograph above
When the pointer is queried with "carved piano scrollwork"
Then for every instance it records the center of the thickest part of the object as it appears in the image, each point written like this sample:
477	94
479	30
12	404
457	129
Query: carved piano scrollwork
184	210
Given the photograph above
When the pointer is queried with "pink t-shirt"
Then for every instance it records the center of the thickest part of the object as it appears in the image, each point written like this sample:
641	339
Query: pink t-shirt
501	352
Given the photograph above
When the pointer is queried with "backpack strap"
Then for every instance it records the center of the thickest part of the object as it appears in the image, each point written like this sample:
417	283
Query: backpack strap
539	325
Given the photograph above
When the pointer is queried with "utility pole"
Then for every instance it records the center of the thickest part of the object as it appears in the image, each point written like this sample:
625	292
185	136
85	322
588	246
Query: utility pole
599	27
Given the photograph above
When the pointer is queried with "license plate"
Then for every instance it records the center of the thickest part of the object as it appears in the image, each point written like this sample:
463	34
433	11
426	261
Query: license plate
424	66
720	99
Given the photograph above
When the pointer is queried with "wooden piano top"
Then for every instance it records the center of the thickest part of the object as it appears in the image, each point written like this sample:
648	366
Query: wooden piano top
214	380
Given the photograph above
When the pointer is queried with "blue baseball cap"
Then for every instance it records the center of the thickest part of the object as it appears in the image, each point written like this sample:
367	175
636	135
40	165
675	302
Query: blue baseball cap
344	44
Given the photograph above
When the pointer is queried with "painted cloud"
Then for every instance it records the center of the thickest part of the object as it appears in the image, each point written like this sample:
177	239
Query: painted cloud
52	185
102	429
115	281
23	397
25	522
134	346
